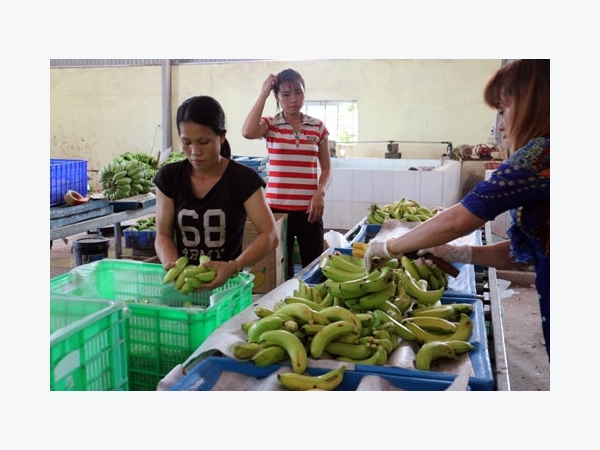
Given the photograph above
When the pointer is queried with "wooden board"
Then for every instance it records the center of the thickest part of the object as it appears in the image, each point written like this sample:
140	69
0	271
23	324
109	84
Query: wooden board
61	211
134	202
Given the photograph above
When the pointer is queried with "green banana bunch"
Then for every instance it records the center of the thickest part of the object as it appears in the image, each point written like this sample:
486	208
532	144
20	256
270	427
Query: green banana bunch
301	382
188	278
408	210
123	177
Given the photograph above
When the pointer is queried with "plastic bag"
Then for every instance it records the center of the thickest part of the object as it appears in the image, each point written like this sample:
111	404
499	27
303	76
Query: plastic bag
335	239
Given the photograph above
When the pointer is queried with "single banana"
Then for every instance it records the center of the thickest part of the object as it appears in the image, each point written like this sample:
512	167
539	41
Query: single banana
310	329
244	350
335	274
327	334
246	325
399	329
409	266
300	382
303	290
464	329
174	271
189	285
352	288
421	336
443	311
385	275
433	324
180	280
292	345
320	319
431	351
262	311
206	277
423	270
370	361
466	308
272	322
346	262
193	270
460	347
373	300
299	311
421	296
403	302
269	355
312	305
336	313
354	351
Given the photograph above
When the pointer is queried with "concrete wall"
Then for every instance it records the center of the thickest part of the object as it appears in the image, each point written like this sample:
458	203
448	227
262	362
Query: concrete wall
98	113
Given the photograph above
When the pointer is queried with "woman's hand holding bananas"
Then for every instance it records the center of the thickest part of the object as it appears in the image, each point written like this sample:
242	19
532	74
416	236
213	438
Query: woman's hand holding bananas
377	249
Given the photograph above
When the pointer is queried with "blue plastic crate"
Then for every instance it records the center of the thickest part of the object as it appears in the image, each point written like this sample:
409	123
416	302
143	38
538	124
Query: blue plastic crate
205	375
141	239
67	174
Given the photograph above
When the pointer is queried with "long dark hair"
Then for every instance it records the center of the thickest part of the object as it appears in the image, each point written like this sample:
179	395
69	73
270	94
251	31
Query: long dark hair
527	83
207	111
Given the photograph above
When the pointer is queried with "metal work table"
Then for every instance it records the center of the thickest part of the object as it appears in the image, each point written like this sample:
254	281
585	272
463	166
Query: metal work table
103	221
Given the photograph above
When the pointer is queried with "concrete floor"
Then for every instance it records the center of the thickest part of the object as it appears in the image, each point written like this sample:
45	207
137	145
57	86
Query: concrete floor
528	365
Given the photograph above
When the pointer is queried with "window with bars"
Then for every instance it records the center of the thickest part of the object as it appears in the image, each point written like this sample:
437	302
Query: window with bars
340	118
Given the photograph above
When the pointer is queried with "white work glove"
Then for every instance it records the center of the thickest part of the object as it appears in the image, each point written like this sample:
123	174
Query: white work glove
376	249
451	253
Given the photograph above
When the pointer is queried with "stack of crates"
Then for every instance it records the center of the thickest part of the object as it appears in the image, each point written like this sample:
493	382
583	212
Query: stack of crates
65	175
165	326
87	345
257	163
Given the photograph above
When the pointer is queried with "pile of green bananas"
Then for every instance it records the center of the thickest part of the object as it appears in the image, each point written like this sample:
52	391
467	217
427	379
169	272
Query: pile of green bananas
408	210
145	224
188	277
122	179
355	316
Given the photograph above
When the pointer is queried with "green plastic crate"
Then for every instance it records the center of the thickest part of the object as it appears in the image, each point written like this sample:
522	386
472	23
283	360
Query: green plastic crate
165	327
88	351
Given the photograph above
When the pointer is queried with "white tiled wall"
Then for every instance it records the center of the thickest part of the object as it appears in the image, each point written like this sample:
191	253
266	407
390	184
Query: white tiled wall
359	182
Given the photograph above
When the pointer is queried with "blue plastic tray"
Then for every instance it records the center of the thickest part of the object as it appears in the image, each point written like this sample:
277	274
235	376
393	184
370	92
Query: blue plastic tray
480	358
204	376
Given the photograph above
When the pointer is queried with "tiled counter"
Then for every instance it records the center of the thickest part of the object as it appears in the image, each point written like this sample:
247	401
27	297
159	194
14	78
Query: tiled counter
359	182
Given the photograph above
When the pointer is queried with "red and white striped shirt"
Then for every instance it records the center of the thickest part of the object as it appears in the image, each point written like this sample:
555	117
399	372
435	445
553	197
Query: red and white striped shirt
293	161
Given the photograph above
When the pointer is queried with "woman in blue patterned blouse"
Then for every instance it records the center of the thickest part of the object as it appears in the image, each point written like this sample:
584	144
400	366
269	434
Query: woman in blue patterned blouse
520	91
